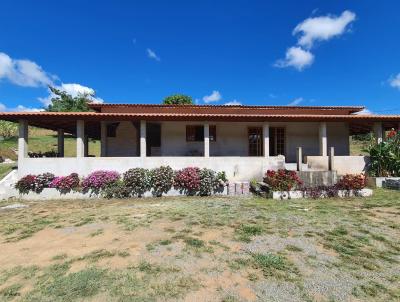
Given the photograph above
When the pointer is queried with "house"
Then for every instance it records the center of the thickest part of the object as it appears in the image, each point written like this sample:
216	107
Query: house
244	141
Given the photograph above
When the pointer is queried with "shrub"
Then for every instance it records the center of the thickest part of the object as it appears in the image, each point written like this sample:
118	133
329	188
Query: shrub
117	189
98	180
43	154
321	191
26	184
43	181
161	180
282	180
137	181
207	182
187	180
354	182
66	184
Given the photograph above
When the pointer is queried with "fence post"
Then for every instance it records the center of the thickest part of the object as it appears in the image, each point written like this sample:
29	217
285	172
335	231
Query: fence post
299	158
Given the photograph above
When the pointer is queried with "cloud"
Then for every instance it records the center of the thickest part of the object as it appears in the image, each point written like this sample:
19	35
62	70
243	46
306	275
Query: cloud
74	90
2	107
295	102
395	82
365	111
152	55
322	28
19	108
23	72
234	102
296	57
215	96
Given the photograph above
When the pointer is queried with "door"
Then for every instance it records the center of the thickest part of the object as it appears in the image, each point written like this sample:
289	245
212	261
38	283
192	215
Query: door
277	141
153	139
255	141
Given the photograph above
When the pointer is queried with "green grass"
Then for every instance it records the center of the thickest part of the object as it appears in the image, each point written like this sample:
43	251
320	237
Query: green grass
5	169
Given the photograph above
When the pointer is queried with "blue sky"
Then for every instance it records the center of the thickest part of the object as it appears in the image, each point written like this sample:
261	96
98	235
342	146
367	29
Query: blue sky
248	52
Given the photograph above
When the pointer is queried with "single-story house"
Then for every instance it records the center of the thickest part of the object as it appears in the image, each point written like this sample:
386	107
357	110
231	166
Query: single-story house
244	141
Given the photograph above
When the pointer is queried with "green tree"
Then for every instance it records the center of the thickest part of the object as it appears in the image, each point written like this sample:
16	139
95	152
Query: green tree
8	129
178	99
64	102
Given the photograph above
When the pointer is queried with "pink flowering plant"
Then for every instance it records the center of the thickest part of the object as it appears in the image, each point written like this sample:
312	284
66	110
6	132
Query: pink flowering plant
97	181
282	180
161	180
66	184
187	180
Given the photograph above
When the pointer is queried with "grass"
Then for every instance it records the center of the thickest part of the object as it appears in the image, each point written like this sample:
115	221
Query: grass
5	169
191	248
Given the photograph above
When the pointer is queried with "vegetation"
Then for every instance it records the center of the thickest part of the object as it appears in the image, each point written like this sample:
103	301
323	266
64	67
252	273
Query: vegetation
8	129
191	248
178	99
64	102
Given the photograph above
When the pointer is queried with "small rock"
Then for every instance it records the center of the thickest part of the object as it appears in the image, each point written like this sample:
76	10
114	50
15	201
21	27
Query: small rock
14	206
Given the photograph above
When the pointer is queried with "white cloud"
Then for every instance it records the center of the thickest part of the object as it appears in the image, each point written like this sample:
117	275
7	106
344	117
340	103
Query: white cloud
296	57
295	102
152	55
395	82
322	28
215	96
21	108
74	90
234	102
23	72
2	107
365	111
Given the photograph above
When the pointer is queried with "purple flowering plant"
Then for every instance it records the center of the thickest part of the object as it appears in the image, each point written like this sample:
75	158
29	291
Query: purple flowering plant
66	184
97	181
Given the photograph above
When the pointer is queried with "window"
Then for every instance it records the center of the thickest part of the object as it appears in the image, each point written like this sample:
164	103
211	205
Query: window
255	141
112	129
195	133
277	141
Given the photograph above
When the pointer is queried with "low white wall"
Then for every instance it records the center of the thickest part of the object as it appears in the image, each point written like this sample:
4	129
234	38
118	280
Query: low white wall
342	164
236	168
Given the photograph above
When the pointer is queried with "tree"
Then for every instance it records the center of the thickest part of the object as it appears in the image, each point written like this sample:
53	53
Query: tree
8	129
178	99
64	102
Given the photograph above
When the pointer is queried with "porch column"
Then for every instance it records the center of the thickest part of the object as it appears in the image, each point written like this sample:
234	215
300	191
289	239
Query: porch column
206	140
143	139
60	142
22	140
103	139
323	140
378	132
86	145
266	139
80	138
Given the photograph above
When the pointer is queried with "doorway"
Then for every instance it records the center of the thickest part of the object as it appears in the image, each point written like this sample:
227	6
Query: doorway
153	139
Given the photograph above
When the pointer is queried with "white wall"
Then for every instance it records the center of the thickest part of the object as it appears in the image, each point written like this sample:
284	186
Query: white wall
126	141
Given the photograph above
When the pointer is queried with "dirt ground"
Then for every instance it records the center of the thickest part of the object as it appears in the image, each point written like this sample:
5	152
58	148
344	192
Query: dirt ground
202	249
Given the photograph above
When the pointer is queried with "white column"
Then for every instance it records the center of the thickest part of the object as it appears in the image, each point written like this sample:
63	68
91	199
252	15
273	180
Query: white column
299	159
60	142
206	140
378	132
323	140
143	139
332	159
266	139
103	139
80	138
22	140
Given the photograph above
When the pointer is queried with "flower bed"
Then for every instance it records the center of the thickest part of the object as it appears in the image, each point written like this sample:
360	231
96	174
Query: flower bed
136	182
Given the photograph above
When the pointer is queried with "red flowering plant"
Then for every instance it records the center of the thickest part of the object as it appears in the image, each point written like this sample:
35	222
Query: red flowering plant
354	182
66	184
187	180
26	184
282	180
98	180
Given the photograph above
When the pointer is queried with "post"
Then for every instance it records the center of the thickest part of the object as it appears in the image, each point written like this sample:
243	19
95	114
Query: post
60	142
80	138
331	158
206	140
103	139
323	140
378	132
299	157
86	145
266	139
142	138
22	140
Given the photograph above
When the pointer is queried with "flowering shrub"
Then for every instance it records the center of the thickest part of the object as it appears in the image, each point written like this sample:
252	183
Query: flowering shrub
117	189
207	182
66	184
26	184
43	181
98	180
43	154
187	180
161	180
352	182
321	191
137	180
282	180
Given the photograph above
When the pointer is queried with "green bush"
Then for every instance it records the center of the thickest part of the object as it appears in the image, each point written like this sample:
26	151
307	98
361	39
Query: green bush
207	182
137	181
116	189
161	180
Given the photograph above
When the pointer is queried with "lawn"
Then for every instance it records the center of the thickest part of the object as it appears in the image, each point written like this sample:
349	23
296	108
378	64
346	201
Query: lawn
202	249
5	169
